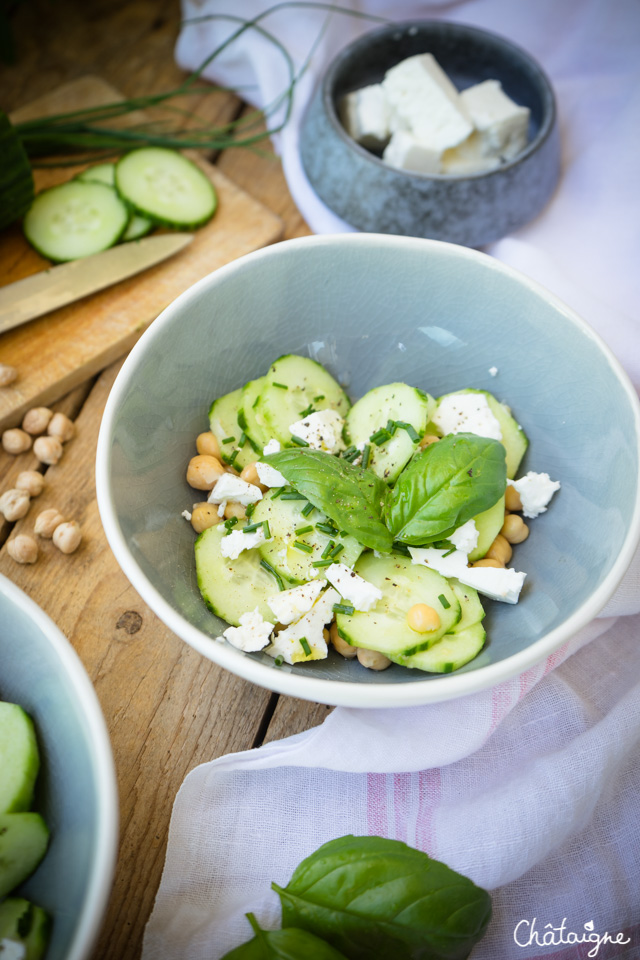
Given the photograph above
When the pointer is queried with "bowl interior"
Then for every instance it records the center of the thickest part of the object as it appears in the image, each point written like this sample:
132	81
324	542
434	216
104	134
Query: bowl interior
75	790
376	310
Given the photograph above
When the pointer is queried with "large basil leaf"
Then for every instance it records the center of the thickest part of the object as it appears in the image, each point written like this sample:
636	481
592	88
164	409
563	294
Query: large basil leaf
289	944
447	484
352	497
377	899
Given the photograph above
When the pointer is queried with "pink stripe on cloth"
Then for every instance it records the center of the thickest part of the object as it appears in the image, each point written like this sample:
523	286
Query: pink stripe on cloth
402	790
377	819
429	796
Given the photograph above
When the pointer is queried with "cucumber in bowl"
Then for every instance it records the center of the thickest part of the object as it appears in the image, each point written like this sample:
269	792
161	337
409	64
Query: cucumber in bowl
385	533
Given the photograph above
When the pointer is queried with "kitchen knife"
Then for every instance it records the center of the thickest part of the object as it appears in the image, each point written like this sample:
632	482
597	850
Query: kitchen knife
53	288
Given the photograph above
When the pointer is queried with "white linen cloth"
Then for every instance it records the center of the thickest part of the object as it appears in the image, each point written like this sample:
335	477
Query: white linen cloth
530	788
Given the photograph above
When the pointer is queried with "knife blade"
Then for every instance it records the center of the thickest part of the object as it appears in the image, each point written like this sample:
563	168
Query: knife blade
53	288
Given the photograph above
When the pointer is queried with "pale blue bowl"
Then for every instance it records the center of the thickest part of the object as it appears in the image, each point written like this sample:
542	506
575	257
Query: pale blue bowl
76	789
376	309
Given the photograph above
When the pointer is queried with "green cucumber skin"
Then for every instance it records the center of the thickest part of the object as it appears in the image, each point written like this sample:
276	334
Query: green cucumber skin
14	912
23	843
453	651
157	219
230	588
18	753
223	422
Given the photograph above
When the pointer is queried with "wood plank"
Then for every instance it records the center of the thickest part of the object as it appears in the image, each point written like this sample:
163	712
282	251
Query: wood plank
167	708
56	352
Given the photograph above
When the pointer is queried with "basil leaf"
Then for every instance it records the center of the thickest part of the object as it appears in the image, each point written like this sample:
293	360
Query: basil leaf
289	944
447	484
352	497
376	898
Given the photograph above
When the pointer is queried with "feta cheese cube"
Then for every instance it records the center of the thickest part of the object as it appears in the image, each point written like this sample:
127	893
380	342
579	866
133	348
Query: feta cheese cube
468	157
501	124
424	98
496	583
252	634
358	591
290	605
269	475
322	430
230	487
467	413
365	116
273	446
536	490
451	565
405	152
12	950
287	645
465	538
232	544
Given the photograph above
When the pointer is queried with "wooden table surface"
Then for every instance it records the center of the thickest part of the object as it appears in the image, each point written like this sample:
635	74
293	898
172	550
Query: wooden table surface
166	707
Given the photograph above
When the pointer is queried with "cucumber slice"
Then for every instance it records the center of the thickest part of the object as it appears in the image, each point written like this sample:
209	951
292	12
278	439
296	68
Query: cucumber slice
23	842
384	628
16	178
471	610
514	439
100	173
489	524
232	587
26	925
137	227
395	401
75	219
293	384
19	758
248	417
448	654
166	187
223	423
292	563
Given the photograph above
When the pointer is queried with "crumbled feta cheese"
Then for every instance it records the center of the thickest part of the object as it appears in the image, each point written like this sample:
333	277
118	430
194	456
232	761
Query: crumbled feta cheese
232	544
468	157
365	116
286	644
12	950
465	538
290	605
322	430
186	515
451	565
494	582
536	490
467	413
421	94
269	475
252	634
272	447
222	507
230	487
358	591
405	152
501	124
493	371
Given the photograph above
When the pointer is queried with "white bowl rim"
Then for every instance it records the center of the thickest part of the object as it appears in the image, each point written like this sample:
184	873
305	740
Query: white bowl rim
98	887
335	692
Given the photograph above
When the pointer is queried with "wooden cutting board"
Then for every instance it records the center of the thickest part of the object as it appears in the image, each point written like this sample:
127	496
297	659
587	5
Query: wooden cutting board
67	346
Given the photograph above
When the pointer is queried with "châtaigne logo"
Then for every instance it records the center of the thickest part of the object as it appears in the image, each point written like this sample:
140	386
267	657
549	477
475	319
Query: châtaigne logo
527	934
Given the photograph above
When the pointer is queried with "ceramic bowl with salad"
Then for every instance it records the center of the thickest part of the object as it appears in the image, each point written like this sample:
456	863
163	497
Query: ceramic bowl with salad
362	470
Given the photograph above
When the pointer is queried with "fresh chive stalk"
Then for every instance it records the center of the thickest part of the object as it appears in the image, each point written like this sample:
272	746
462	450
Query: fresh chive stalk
319	397
300	530
308	509
266	529
274	573
276	492
304	643
293	495
228	439
366	456
280	386
308	410
339	547
304	547
443	600
252	527
299	442
327	550
279	660
327	528
322	563
346	608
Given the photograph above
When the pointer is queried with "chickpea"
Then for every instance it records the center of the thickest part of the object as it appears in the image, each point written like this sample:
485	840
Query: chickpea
487	562
36	420
204	515
373	660
512	499
514	529
422	618
61	427
427	440
250	474
235	509
31	481
14	504
204	472
47	521
207	444
67	537
499	550
23	549
341	645
16	441
229	469
7	374
47	449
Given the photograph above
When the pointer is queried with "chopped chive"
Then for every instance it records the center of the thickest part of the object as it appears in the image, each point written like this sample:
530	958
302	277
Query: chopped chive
407	426
281	386
243	439
319	397
448	668
344	608
301	530
304	547
308	509
228	439
327	528
251	527
366	455
379	437
443	600
339	547
292	495
276	492
449	552
250	508
231	522
279	660
299	442
343	533
307	411
304	643
349	451
232	458
327	550
322	563
266	529
274	573
391	427
255	402
254	446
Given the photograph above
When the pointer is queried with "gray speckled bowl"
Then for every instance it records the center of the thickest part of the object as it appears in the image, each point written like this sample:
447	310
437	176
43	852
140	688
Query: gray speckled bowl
375	310
472	210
